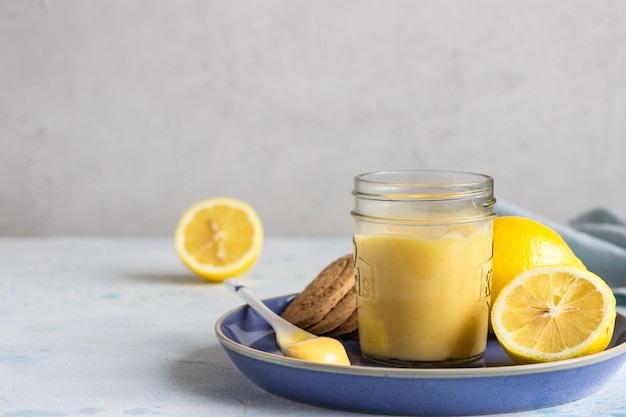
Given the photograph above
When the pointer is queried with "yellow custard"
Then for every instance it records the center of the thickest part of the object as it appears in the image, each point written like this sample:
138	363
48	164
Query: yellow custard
318	349
424	298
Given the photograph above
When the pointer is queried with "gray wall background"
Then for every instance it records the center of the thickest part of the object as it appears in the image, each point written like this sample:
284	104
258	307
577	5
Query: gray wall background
117	115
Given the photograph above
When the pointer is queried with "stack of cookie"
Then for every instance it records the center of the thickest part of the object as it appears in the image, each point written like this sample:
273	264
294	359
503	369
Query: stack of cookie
327	306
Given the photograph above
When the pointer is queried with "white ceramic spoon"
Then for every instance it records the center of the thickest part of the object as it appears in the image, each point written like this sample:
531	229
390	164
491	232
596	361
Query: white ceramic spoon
293	341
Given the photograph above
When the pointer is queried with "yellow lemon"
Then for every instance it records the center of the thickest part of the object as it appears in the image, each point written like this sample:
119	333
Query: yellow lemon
219	237
521	244
554	313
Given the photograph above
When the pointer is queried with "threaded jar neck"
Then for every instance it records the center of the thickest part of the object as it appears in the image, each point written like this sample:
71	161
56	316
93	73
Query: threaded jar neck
423	196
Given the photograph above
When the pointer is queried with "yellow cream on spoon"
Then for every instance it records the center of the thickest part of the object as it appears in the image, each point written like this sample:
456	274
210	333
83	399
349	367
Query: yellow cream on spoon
293	341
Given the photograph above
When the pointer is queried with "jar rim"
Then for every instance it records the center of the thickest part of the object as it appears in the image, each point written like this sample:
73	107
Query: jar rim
422	184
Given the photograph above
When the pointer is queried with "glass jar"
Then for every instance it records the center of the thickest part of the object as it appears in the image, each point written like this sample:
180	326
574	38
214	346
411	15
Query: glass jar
422	250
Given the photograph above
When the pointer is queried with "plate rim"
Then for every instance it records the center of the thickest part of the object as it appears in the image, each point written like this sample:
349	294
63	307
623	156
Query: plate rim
413	373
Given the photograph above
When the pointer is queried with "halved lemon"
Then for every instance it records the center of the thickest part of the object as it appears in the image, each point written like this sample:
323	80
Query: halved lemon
219	237
554	313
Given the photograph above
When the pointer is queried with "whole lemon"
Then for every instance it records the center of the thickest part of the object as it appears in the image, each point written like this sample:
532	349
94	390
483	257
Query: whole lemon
521	244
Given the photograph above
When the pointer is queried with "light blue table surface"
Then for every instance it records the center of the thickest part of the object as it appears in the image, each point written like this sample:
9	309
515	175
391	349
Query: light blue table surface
119	327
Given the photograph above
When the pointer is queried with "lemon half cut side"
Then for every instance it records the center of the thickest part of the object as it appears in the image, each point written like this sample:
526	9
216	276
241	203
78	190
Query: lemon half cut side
554	313
219	237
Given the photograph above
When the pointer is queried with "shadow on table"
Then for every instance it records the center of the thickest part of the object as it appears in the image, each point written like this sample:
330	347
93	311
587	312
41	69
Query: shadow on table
209	373
177	278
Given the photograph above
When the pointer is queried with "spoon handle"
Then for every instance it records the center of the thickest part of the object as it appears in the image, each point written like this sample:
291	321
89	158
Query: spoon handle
274	320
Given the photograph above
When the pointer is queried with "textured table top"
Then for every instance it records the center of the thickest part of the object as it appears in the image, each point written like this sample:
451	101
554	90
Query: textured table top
120	327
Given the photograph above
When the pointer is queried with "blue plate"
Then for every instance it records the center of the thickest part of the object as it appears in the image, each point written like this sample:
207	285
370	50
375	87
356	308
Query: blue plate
494	385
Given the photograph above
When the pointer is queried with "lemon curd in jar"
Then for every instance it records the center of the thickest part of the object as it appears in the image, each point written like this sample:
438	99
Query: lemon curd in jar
417	302
422	250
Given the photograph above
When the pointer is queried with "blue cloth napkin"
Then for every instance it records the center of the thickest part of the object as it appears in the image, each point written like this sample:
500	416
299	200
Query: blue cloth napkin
597	237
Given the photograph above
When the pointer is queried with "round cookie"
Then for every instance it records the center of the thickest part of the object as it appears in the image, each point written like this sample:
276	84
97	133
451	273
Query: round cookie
350	326
336	316
322	294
